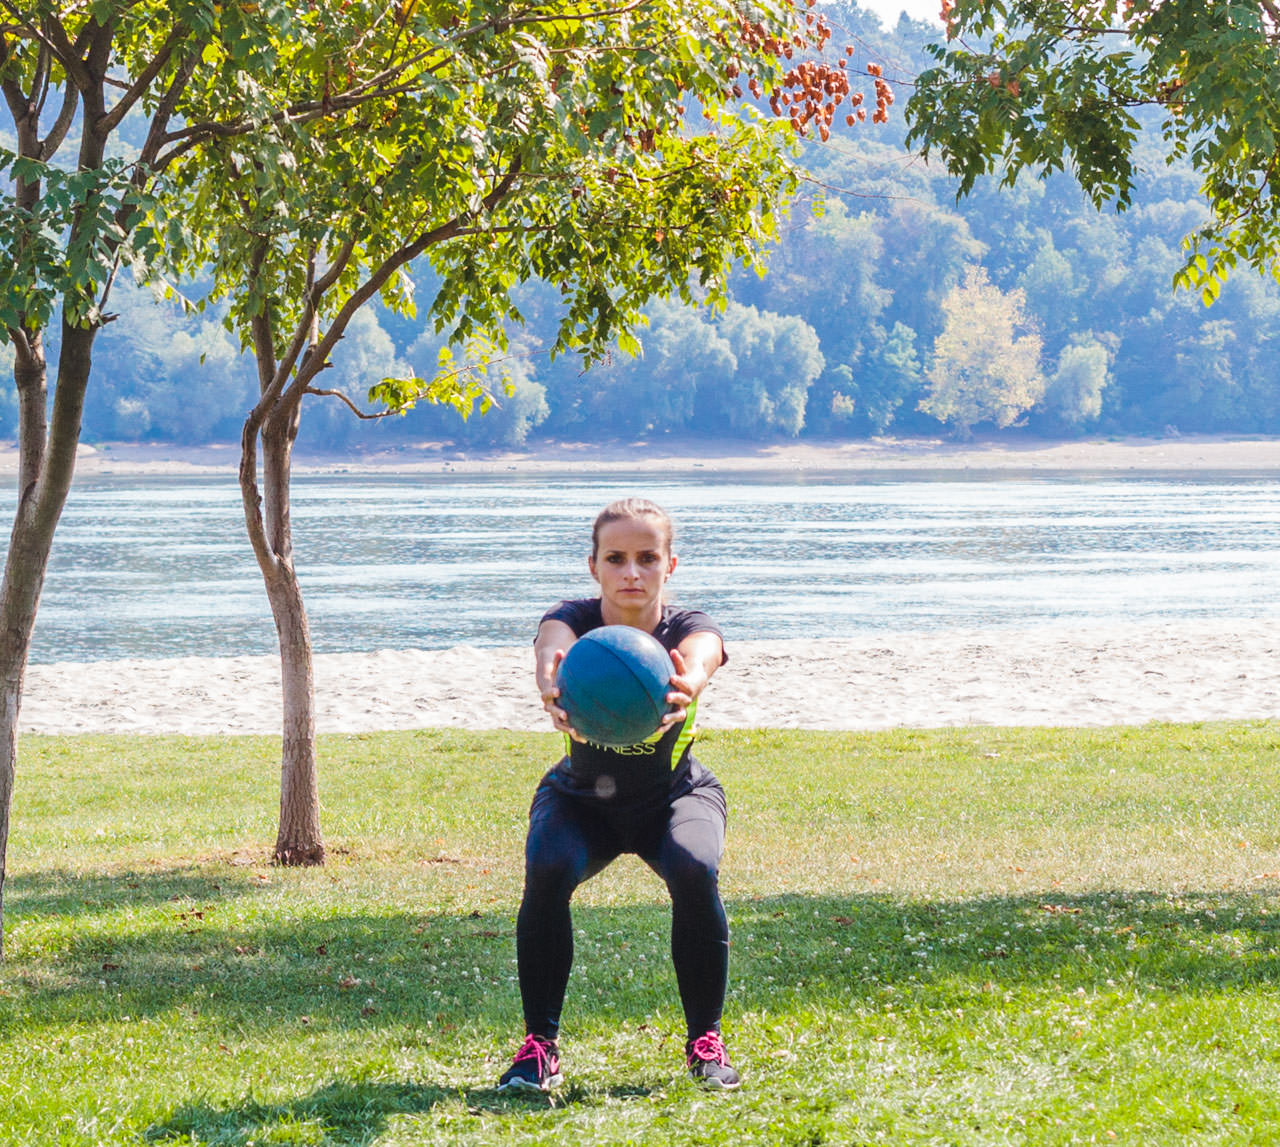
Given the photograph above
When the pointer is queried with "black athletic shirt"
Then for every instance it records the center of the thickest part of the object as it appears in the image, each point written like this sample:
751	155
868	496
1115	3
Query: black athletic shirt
644	773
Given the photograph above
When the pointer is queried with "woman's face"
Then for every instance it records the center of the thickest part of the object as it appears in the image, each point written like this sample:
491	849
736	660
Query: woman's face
632	563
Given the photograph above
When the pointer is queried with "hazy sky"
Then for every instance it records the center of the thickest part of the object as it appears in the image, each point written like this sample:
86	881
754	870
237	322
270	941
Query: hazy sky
889	10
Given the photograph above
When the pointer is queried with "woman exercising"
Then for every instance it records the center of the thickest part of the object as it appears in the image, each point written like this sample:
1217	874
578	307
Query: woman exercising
653	799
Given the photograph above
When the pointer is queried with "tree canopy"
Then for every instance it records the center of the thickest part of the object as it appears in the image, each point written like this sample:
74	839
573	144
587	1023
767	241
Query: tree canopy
537	145
1043	85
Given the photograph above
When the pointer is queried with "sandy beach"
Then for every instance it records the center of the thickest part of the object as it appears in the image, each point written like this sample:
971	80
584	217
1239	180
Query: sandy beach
1055	675
1003	453
1132	674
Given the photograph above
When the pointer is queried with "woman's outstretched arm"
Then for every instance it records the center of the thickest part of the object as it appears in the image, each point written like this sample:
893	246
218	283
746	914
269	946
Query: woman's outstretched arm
549	647
696	658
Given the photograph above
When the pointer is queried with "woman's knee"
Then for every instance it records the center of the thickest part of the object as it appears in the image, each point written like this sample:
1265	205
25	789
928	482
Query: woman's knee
689	876
553	865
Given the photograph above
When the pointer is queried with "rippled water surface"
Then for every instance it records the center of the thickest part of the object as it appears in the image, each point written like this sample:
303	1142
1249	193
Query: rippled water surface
147	567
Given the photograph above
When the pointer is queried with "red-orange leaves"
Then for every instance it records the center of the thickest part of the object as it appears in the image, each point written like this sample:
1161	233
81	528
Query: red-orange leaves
811	89
884	97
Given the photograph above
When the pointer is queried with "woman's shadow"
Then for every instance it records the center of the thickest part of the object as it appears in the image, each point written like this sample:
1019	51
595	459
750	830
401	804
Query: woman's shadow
350	1114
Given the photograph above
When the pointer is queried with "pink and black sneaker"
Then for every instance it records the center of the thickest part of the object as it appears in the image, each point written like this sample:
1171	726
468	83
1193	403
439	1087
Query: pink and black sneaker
709	1063
536	1067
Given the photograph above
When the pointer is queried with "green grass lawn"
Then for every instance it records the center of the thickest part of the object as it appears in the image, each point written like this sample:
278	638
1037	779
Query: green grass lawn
974	936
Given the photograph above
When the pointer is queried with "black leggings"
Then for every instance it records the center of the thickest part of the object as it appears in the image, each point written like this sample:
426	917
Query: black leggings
570	840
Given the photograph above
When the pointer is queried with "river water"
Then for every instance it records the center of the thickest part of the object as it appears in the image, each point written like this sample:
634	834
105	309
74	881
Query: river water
160	567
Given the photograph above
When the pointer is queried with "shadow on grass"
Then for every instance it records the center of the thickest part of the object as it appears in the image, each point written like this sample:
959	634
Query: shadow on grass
834	950
794	955
234	961
61	892
365	988
346	1114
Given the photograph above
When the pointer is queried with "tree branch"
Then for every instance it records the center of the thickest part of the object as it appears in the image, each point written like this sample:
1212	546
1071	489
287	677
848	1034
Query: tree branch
148	157
145	77
62	125
374	87
40	82
265	355
21	343
331	275
250	498
566	17
67	53
196	134
268	385
31	379
364	414
389	266
24	25
16	98
303	334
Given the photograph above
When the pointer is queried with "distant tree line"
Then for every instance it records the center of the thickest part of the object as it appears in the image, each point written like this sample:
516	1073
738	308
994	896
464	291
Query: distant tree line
896	309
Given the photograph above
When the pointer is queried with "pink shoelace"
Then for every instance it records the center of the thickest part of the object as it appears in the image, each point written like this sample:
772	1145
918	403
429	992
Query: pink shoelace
539	1050
708	1047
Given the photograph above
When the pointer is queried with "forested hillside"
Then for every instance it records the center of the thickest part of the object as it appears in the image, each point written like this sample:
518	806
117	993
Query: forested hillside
894	310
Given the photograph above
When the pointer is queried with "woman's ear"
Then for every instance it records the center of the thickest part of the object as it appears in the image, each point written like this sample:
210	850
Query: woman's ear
591	565
671	564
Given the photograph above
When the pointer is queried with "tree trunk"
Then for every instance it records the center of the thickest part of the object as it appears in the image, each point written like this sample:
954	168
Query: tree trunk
298	841
24	573
47	442
46	469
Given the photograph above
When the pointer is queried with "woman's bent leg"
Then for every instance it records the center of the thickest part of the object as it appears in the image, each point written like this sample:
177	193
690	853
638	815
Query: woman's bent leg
688	859
558	857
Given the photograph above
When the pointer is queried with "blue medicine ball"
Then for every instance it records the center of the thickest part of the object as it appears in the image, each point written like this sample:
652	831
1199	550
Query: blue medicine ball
614	683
